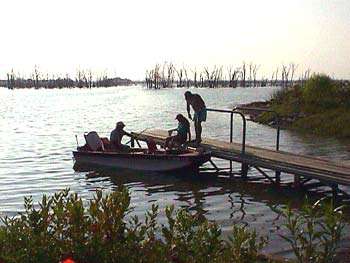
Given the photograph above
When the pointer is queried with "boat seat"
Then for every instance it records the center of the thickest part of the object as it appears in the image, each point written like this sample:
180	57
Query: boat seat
94	141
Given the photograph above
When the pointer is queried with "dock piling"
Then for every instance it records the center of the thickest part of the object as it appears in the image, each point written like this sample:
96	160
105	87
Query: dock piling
244	170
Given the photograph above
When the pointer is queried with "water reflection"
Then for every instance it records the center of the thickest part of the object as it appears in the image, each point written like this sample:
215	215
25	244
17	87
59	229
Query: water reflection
194	191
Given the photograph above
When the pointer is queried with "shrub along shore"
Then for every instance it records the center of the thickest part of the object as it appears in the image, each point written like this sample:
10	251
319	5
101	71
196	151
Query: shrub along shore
321	106
101	230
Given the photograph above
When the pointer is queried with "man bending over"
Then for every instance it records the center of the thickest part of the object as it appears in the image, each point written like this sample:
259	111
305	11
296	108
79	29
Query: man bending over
200	112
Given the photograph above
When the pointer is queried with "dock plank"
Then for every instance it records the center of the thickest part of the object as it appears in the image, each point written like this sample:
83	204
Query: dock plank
326	170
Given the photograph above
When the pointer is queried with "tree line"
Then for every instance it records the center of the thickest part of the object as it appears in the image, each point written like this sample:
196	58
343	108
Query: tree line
168	75
83	79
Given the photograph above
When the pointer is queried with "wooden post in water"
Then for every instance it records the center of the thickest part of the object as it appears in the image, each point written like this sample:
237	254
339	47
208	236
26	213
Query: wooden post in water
244	170
296	181
278	177
335	193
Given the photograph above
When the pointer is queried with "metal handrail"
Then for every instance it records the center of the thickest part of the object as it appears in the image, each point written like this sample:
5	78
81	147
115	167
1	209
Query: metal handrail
276	118
235	110
231	112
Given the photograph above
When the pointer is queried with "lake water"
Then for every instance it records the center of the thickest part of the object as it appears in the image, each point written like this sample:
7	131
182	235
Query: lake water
38	128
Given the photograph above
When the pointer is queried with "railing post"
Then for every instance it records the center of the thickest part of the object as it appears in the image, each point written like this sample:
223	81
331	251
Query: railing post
245	167
278	173
244	133
231	138
278	133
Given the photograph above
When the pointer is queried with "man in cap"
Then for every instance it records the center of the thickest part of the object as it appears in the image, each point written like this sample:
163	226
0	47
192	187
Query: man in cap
117	136
200	112
182	129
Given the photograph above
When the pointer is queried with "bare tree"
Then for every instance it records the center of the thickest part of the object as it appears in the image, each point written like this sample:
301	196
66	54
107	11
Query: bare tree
194	72
243	74
254	71
180	76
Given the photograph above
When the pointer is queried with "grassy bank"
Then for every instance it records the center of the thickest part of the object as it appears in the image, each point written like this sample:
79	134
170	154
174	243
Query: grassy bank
321	106
64	226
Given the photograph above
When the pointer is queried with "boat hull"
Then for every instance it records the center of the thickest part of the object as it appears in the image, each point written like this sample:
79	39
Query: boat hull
141	161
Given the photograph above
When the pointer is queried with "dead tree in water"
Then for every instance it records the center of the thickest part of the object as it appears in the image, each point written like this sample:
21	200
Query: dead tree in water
201	79
89	79
274	78
217	77
305	76
233	77
170	77
79	79
254	71
187	80
149	82
288	74
180	76
209	77
243	74
194	71
250	67
293	68
163	79
11	80
156	76
36	77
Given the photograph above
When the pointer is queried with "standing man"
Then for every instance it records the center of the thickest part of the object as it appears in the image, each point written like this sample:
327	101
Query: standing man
200	112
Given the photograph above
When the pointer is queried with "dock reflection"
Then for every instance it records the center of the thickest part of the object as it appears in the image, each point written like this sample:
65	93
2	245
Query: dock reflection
195	191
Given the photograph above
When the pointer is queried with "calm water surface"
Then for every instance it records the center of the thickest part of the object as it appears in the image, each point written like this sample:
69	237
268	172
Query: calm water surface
38	127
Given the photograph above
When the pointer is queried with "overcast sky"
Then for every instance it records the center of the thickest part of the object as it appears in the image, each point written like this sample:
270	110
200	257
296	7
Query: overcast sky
127	37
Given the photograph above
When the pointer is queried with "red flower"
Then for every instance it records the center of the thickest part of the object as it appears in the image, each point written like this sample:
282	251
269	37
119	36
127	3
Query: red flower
68	260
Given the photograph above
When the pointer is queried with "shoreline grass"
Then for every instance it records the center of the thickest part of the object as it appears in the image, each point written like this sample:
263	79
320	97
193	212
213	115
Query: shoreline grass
321	106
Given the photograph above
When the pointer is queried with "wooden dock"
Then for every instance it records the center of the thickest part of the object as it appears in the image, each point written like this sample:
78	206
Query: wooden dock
305	168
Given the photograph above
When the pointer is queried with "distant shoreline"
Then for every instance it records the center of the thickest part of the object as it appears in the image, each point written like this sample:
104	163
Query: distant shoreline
19	83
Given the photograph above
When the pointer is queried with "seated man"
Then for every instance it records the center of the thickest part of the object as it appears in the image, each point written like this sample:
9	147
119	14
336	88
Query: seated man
117	136
182	129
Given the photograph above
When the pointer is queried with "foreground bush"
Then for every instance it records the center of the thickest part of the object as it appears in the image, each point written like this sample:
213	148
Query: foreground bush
63	226
314	233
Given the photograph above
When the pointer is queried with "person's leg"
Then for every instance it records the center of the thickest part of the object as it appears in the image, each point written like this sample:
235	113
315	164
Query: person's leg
201	116
195	120
198	131
178	141
169	142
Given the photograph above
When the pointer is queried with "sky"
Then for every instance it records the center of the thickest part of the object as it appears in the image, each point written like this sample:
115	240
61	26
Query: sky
125	38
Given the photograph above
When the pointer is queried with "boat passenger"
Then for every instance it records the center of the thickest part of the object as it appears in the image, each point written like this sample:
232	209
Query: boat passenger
200	112
182	129
117	136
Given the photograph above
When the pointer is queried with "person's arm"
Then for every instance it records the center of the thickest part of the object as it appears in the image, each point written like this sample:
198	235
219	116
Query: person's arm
128	134
189	110
171	131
